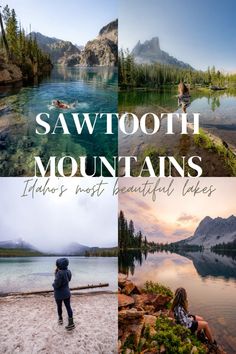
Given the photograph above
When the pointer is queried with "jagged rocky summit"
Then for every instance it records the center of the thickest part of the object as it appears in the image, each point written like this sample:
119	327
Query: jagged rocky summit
211	232
101	51
150	52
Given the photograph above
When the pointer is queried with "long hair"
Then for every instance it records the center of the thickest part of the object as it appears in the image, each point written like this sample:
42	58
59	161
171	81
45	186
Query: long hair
182	88
180	299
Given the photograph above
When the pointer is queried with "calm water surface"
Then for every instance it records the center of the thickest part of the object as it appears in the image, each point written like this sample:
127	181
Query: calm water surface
217	115
37	273
210	281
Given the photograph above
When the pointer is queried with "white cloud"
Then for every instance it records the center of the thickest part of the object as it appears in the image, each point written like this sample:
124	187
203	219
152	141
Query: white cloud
50	221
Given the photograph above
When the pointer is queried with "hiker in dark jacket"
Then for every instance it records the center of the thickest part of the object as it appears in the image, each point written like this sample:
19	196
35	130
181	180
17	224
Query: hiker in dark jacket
62	291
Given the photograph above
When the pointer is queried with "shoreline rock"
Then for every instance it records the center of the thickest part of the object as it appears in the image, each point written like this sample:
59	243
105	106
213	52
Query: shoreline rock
145	326
9	73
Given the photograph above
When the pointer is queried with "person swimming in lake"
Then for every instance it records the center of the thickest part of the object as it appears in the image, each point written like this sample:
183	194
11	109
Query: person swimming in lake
195	323
62	291
183	96
63	105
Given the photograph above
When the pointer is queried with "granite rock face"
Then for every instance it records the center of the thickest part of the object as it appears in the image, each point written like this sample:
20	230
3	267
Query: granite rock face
103	50
61	52
9	73
211	232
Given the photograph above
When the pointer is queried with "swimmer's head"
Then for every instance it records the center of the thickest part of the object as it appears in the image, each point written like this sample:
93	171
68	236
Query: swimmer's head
55	102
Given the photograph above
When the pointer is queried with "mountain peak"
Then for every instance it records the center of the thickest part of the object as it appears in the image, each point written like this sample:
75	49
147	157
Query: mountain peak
231	218
110	27
206	219
211	232
150	52
101	51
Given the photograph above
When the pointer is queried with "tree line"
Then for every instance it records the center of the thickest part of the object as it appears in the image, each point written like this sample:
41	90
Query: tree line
133	75
19	48
128	238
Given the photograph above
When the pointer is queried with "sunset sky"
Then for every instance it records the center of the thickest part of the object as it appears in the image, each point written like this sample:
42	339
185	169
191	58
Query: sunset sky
176	217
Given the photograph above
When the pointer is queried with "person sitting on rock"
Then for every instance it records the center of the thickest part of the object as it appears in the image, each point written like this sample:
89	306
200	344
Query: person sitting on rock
195	323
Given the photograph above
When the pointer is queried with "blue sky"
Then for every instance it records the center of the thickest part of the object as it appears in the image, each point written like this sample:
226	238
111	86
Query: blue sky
199	32
75	20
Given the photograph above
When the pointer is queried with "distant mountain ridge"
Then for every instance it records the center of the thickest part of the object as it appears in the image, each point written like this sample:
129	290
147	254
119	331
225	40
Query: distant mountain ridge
211	232
56	48
101	51
71	249
18	243
150	52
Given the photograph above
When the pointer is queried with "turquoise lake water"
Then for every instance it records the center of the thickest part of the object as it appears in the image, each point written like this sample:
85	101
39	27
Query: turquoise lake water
89	89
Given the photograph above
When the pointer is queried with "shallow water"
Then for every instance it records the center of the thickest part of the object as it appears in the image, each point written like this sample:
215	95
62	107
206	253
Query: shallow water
210	281
37	273
90	89
217	115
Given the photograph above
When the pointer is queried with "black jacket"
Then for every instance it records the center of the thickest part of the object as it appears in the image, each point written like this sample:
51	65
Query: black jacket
62	279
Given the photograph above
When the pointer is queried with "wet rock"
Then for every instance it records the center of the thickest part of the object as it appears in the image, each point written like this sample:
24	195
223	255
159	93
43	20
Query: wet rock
124	300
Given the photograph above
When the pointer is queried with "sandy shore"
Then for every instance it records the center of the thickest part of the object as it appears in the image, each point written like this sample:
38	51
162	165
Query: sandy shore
29	325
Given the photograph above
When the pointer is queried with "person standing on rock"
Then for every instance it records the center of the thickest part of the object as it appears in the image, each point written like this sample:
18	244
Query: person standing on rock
62	291
195	323
183	97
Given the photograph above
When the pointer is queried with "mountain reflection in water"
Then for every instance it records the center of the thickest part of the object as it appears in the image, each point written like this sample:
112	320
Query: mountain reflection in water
209	278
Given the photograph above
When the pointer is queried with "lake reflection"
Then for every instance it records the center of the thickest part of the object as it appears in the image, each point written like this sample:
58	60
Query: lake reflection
217	115
209	278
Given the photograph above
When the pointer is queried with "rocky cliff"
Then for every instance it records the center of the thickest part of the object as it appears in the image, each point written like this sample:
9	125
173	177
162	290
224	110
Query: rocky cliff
9	73
211	232
101	51
62	52
150	52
